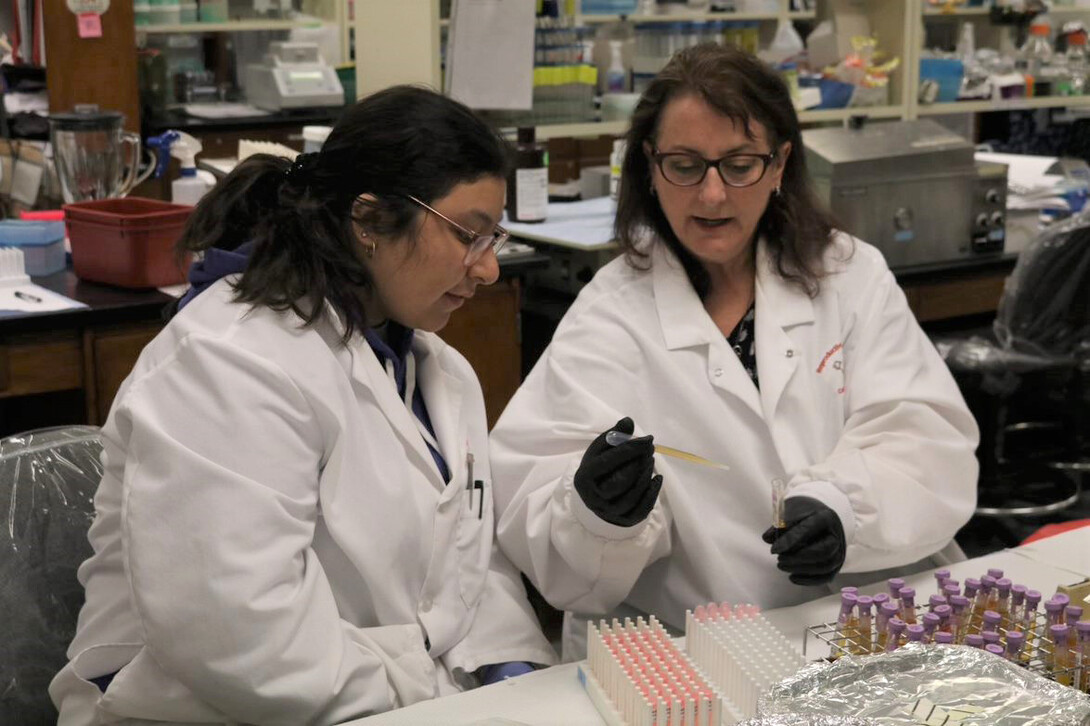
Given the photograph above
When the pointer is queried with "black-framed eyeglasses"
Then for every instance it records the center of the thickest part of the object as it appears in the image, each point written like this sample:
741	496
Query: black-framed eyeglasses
736	170
476	242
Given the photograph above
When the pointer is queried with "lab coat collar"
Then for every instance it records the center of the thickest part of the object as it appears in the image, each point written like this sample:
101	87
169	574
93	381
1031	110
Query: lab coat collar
442	393
779	303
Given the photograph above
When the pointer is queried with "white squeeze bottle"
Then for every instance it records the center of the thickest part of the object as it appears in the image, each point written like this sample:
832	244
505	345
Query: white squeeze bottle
191	185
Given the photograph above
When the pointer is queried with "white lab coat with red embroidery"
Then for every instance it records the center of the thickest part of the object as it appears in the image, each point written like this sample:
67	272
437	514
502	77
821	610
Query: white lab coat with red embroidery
855	408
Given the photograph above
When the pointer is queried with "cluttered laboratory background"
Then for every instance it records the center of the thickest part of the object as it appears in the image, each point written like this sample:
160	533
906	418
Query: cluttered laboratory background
954	135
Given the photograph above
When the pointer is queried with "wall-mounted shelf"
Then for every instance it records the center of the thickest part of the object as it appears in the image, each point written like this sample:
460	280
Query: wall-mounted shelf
933	12
700	17
231	26
1014	104
591	128
842	114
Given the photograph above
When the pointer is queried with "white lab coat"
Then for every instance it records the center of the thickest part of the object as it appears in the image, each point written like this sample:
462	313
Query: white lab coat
273	541
855	408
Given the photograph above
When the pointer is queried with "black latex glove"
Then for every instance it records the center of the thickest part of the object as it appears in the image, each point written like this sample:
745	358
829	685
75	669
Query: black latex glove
812	546
618	483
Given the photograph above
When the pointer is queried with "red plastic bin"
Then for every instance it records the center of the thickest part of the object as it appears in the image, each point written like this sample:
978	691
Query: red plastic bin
127	242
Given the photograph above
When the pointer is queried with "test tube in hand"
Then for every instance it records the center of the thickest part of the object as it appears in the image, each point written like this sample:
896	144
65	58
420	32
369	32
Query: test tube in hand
779	493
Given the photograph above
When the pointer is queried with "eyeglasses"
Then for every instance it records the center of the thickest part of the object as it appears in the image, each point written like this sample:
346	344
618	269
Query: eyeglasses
477	243
736	170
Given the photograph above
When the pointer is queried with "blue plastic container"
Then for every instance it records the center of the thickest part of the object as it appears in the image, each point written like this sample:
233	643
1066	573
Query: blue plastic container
947	72
42	244
834	94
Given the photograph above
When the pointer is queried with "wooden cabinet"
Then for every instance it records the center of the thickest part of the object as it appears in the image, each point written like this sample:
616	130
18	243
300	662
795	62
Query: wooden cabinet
108	356
41	363
486	331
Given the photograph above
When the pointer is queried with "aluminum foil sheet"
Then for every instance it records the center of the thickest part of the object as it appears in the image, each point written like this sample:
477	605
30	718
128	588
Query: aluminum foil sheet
800	720
925	684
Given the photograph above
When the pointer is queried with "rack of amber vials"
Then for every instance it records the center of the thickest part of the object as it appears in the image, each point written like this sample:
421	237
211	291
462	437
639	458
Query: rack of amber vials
1051	638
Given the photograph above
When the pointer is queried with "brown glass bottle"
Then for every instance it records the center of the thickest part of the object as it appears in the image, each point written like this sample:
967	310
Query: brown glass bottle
528	183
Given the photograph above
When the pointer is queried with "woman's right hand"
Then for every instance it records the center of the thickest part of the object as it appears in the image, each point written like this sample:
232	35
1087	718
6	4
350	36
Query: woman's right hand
618	483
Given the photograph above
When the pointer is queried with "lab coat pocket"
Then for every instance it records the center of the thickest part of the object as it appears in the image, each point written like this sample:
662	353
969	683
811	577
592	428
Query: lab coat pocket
473	540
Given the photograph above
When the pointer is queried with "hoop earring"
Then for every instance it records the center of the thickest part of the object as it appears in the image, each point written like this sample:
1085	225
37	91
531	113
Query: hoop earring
371	250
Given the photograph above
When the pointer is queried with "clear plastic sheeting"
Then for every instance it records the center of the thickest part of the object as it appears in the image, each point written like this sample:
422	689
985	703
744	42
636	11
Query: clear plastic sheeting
48	480
922	684
1045	308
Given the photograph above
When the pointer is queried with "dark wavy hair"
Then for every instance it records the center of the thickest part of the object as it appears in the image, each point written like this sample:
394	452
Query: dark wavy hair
795	225
399	141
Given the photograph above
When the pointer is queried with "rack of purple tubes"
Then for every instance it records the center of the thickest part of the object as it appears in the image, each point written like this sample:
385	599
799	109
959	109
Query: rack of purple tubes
990	613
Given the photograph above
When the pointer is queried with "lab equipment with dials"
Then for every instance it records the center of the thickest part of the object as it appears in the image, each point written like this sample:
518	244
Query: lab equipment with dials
293	75
909	188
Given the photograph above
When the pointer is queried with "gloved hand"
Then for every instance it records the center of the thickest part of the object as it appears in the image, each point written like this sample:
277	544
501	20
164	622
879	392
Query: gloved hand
618	483
502	671
812	546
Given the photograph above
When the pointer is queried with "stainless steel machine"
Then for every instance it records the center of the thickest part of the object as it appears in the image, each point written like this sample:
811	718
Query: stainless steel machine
909	187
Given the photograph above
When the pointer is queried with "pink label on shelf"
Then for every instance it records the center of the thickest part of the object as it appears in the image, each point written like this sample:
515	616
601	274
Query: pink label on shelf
89	25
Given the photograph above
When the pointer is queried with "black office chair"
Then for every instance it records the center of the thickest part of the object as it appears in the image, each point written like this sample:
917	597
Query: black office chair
48	480
1027	383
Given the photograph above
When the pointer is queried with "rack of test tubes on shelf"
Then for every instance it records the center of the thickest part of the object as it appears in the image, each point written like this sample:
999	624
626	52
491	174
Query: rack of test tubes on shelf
636	675
990	613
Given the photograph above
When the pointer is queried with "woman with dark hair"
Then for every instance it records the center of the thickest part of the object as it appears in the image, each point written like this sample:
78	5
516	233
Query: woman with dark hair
295	525
740	326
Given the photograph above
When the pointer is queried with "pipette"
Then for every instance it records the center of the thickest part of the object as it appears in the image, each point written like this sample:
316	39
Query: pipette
616	438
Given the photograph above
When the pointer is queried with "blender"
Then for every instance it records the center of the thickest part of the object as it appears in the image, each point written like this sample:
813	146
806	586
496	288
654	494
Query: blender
94	156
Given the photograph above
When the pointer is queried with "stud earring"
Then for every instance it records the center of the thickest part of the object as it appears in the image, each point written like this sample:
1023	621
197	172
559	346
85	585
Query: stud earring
776	191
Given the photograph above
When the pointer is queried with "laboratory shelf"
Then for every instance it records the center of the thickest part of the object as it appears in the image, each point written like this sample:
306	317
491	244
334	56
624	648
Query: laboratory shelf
231	26
932	12
591	128
1014	104
698	17
841	114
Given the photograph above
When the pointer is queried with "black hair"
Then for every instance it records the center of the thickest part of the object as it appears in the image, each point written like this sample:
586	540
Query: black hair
796	227
301	218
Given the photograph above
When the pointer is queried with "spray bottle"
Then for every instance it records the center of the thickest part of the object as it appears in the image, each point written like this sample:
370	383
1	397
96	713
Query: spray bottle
191	185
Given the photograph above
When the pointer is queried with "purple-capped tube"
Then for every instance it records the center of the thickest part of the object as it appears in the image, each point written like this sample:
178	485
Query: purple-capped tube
845	624
995	573
1003	605
930	625
863	641
990	636
951	589
1054	610
1060	597
941	576
974	640
908	605
1018	599
1061	653
934	601
988	593
1072	614
960	606
1015	643
972	587
915	633
944	638
945	613
1082	653
886	612
994	649
878	599
849	588
896	627
991	621
895	585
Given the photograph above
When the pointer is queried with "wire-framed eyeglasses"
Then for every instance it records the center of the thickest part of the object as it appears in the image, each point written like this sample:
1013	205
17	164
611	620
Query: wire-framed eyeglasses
476	242
736	170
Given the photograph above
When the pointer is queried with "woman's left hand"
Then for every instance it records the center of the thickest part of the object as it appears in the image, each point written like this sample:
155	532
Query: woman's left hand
812	546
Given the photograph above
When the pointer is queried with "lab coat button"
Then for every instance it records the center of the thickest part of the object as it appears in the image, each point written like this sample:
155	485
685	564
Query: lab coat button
718	372
425	605
790	353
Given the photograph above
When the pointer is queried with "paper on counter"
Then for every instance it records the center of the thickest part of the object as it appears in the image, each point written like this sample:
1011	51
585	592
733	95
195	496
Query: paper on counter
587	225
33	299
1025	173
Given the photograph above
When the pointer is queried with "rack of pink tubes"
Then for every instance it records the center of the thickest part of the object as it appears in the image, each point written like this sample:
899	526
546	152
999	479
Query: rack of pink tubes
991	613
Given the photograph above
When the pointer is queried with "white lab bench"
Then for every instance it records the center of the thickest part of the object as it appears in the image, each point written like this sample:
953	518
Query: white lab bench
554	696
